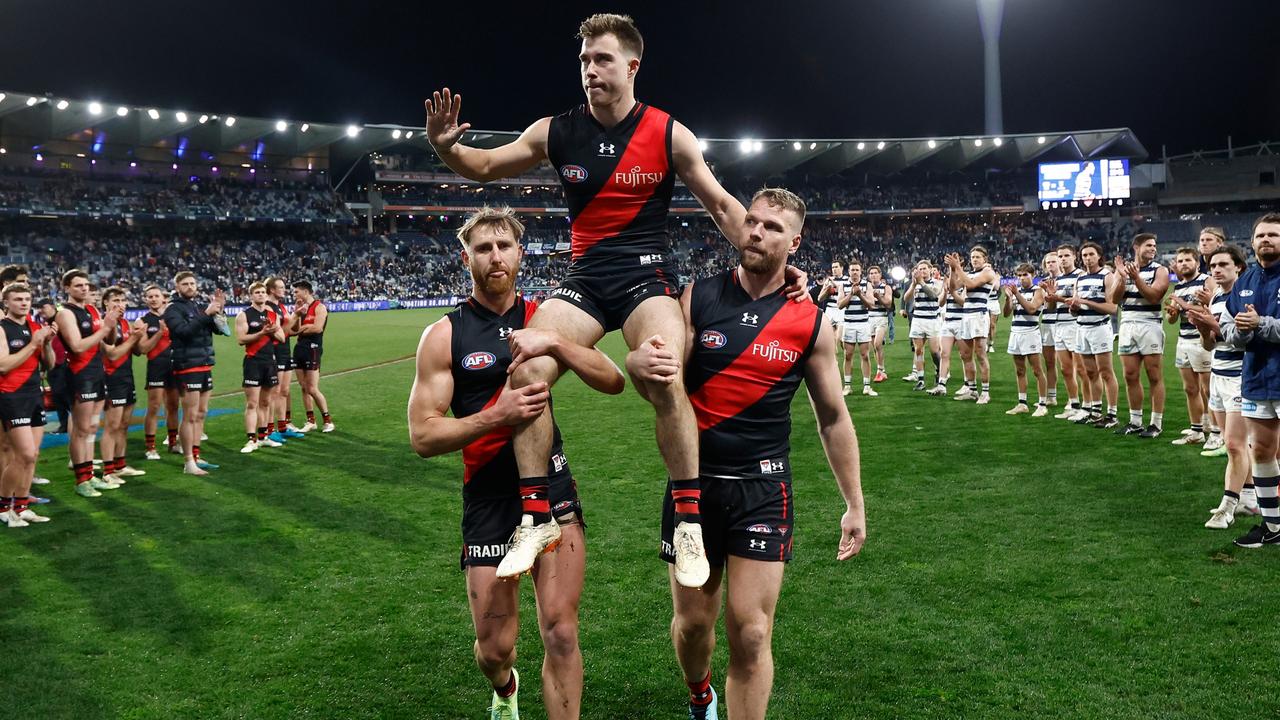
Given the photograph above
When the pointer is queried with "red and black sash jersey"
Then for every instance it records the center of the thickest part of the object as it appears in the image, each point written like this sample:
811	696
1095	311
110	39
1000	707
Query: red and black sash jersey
747	362
159	351
282	312
309	318
88	320
25	377
257	319
481	356
617	181
125	361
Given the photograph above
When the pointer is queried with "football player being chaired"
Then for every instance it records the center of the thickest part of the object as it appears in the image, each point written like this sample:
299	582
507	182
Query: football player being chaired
462	368
747	350
618	160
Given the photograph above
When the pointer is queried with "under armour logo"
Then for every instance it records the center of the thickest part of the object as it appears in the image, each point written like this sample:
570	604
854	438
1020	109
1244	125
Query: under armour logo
606	148
749	319
504	333
756	544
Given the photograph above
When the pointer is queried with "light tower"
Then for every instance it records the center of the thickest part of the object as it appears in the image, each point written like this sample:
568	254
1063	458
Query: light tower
991	15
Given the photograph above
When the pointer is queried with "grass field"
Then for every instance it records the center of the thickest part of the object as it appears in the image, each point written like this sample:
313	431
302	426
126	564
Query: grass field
1015	568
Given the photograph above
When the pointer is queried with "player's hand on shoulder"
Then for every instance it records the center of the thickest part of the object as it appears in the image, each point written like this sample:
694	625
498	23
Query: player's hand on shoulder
797	286
653	362
520	405
853	533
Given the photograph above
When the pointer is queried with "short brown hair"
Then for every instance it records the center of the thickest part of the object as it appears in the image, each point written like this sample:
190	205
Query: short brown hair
149	288
183	276
69	276
1187	251
1027	268
9	273
113	291
271	281
783	198
1236	255
981	249
1271	218
12	288
1141	238
619	26
1097	248
1075	252
487	216
256	286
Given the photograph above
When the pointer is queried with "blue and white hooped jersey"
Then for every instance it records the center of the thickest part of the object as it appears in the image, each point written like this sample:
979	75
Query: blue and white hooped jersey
855	311
1023	320
1092	287
1135	307
1186	292
1227	360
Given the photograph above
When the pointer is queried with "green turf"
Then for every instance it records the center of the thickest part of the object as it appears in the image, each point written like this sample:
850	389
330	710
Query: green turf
1015	568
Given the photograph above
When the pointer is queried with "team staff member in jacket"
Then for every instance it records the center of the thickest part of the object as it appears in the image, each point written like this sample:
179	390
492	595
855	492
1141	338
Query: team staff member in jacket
191	326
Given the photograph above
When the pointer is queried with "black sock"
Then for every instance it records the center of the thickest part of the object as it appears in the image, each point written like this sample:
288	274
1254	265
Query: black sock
534	500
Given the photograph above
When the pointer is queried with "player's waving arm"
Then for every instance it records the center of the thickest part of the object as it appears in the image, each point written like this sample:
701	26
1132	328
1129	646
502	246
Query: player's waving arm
444	132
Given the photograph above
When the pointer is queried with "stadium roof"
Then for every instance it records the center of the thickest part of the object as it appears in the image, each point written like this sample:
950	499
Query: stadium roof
42	118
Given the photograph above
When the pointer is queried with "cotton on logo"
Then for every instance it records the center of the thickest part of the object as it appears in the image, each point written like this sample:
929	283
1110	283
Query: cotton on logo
712	340
574	173
478	360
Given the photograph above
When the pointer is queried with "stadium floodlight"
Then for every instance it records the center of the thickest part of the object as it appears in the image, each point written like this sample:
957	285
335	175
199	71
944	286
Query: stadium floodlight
133	163
880	145
63	104
39	157
977	142
122	111
203	119
757	146
32	101
862	146
396	133
214	168
813	146
230	121
998	142
3	151
795	145
703	145
305	127
408	134
175	166
2	97
744	146
154	114
1040	140
898	273
281	126
933	144
95	108
180	116
352	131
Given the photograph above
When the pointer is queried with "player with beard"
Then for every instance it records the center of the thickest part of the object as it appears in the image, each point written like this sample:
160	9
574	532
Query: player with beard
463	365
310	316
880	314
192	324
25	347
748	350
1250	321
1058	293
1090	307
162	386
83	329
924	293
618	160
979	286
1239	496
857	329
1192	360
1140	292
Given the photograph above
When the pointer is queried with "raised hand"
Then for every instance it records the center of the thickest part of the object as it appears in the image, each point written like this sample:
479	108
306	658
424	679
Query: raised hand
443	129
1247	321
797	286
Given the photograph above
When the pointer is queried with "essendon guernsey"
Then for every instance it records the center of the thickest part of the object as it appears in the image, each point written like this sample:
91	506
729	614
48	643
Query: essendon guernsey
125	361
89	321
257	319
747	362
481	355
617	181
24	378
161	349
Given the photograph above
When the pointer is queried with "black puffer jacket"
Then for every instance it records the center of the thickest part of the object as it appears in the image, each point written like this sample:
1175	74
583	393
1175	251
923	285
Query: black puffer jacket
190	333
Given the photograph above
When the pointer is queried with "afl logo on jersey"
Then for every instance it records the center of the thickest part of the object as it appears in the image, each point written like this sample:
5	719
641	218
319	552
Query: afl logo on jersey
478	361
574	173
712	339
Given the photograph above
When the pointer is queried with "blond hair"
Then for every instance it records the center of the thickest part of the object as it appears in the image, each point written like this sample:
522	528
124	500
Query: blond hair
489	216
257	286
619	26
781	198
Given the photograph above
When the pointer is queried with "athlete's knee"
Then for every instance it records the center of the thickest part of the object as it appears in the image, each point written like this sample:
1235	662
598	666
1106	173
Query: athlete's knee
494	652
1236	445
693	626
751	639
538	369
667	396
560	635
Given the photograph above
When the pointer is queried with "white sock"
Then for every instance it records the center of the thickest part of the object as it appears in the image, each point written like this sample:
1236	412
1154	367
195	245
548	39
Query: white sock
848	379
1135	417
1022	398
1157	419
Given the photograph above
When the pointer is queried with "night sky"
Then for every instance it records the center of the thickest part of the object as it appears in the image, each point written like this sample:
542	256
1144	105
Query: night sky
1181	73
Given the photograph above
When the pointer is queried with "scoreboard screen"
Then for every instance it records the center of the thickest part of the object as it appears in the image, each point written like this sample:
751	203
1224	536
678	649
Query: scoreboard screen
1084	183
